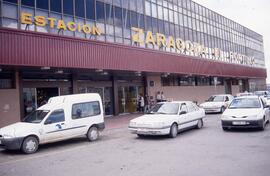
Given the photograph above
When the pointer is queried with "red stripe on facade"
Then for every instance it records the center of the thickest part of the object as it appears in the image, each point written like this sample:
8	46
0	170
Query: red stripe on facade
24	48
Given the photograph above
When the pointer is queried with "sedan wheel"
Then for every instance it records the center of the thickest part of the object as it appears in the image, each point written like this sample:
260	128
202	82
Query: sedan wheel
93	134
200	124
30	145
173	131
222	109
263	126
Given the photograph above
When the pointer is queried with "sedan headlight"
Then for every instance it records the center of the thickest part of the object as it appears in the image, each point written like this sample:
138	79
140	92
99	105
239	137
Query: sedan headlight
7	136
132	124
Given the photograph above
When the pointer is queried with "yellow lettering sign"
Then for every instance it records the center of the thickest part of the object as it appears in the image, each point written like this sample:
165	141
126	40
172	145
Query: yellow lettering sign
71	26
61	25
26	18
40	21
150	38
51	22
136	36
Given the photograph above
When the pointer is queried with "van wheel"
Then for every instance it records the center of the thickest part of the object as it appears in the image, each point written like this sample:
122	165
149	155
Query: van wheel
30	145
92	134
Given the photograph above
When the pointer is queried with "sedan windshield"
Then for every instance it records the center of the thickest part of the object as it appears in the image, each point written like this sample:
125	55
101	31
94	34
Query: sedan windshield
165	108
245	103
35	116
216	98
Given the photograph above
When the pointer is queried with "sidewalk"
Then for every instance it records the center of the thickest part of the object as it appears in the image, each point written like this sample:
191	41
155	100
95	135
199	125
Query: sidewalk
119	121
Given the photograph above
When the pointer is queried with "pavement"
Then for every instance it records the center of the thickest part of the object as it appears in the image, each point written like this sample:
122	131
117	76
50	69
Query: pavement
119	121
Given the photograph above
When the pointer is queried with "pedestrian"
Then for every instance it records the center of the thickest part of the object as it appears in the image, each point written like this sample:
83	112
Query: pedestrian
162	97
141	103
158	97
147	103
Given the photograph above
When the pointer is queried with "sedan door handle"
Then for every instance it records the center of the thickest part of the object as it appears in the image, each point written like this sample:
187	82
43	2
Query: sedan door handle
62	123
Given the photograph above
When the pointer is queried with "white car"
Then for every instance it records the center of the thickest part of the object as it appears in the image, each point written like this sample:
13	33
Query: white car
246	112
62	118
217	103
168	118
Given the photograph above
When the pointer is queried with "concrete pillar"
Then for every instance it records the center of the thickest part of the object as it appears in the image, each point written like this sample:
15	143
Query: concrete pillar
115	96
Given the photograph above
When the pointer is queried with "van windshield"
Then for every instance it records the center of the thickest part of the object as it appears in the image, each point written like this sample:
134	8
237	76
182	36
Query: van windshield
36	116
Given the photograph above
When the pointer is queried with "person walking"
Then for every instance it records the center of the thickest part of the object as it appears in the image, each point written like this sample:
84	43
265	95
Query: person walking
141	103
158	97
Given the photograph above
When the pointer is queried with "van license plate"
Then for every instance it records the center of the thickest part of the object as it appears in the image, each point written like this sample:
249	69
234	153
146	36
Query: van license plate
239	123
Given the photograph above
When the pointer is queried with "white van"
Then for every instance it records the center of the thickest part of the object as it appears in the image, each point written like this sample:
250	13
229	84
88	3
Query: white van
63	117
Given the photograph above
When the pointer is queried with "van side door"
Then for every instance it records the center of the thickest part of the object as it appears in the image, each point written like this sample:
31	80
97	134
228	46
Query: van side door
53	126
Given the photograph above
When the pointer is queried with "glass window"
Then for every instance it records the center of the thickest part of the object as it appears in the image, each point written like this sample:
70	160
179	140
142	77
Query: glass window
125	4
7	81
79	8
68	7
109	13
100	11
9	11
117	3
148	26
186	81
133	19
132	5
55	117
160	12
55	5
155	25
141	21
28	3
140	5
42	4
90	9
147	8
118	16
82	110
154	10
12	1
203	81
126	18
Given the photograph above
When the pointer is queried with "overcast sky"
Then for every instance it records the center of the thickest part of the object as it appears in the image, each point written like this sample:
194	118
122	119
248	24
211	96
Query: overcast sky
254	14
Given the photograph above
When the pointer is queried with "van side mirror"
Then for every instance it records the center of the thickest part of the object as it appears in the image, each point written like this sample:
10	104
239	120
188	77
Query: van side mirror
48	121
183	112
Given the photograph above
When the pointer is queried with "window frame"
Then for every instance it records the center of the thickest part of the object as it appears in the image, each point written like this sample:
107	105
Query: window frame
83	117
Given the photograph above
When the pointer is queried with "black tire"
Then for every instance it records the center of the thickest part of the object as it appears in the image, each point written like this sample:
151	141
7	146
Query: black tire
222	109
173	130
30	145
225	128
140	135
93	134
199	124
263	125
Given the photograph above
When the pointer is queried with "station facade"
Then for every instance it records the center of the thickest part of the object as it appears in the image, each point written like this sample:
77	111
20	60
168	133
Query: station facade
121	49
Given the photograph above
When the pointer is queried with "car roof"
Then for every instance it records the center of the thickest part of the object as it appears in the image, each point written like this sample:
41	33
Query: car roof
249	96
222	95
177	102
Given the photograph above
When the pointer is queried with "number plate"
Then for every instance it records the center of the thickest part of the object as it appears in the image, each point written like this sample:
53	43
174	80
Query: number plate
239	123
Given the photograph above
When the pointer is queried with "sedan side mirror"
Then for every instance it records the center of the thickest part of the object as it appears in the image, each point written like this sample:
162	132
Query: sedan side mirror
183	112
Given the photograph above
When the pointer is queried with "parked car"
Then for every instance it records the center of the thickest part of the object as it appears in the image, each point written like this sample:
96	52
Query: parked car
217	103
168	118
244	94
262	93
246	112
63	117
267	100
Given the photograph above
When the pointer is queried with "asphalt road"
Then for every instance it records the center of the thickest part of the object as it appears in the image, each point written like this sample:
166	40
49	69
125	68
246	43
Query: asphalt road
206	152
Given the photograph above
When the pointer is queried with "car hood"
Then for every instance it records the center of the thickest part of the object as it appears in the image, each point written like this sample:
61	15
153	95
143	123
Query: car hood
211	104
242	112
153	118
17	128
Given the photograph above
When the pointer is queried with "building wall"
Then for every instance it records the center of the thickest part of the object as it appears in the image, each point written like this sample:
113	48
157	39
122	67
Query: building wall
191	93
10	105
